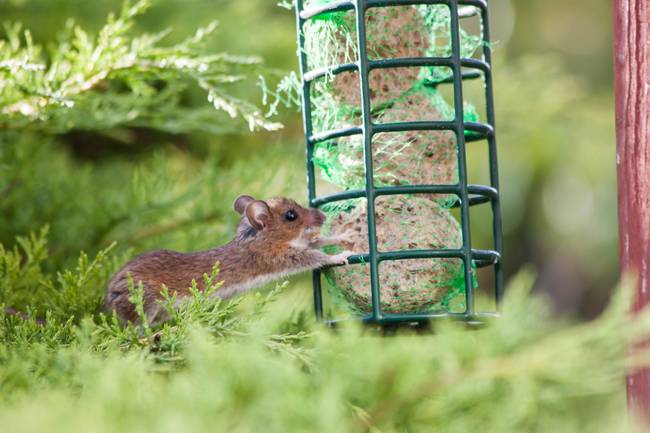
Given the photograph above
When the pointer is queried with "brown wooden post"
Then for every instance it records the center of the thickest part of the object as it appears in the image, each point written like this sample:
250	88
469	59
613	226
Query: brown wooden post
632	89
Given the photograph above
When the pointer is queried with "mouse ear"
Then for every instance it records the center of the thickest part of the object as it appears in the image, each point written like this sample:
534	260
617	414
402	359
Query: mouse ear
258	214
240	204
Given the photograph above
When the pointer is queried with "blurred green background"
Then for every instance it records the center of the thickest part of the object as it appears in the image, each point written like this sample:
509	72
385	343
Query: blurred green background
555	132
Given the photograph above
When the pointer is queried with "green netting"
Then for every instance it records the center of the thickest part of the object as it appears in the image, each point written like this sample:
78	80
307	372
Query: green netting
404	31
438	21
399	158
449	294
402	222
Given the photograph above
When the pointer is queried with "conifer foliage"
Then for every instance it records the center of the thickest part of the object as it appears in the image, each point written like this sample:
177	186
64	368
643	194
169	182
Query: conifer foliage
117	78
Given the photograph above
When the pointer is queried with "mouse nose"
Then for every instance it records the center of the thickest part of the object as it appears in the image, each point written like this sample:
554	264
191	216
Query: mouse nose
318	217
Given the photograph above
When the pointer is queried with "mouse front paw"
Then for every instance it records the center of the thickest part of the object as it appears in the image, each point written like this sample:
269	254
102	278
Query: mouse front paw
341	258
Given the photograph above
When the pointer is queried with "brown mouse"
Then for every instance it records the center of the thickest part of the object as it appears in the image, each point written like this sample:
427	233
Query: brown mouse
274	239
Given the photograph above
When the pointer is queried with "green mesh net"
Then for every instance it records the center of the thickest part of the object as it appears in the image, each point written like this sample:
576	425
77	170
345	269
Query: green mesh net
438	21
402	222
399	158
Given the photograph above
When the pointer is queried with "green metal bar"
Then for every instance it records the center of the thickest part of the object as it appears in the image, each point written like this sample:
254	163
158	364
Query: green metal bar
418	189
339	196
307	124
330	70
472	75
485	257
462	164
438	253
475	320
497	234
367	126
426	125
403	62
478	193
336	133
481	130
488	191
344	5
388	318
400	62
334	6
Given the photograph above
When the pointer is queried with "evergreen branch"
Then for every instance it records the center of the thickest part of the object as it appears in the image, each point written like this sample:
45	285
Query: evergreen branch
54	94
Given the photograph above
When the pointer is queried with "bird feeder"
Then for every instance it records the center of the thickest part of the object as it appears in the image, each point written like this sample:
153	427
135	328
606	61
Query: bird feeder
386	123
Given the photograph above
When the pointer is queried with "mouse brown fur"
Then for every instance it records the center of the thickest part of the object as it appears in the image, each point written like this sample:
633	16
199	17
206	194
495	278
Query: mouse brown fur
274	239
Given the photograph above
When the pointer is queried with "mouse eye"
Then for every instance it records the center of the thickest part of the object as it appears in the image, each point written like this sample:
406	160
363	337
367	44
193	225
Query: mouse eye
290	215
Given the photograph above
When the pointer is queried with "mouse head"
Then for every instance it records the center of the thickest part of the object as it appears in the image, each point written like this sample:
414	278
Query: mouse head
279	218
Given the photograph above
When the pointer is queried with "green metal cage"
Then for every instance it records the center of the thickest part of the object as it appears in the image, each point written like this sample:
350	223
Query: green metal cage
467	194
